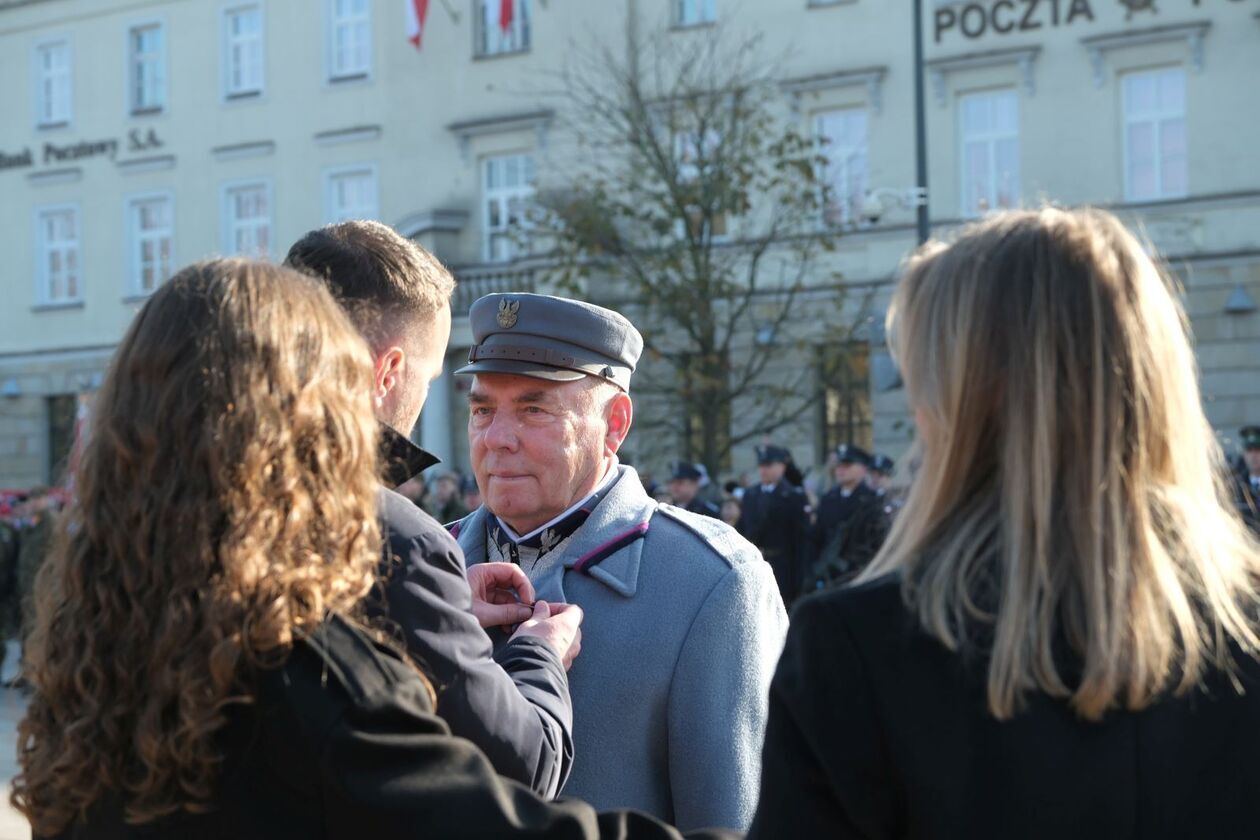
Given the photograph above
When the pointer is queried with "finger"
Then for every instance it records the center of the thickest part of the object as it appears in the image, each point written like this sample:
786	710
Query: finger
509	576
493	615
542	610
501	596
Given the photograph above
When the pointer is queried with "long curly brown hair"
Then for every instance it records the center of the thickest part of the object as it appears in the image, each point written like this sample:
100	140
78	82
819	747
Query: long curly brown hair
226	503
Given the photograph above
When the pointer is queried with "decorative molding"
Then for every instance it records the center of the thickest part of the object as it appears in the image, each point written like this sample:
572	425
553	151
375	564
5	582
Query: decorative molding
536	121
237	151
872	78
354	134
155	163
1099	45
1022	57
433	221
69	175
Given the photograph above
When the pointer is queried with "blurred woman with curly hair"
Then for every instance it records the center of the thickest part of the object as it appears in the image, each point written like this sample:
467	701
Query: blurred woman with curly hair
198	664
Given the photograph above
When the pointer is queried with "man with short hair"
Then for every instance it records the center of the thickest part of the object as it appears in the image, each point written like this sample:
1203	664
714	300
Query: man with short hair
851	523
684	490
512	703
774	516
683	622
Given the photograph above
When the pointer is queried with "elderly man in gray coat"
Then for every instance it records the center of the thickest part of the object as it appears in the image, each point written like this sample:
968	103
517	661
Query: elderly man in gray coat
684	623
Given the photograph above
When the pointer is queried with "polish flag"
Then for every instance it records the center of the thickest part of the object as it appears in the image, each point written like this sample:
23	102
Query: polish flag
505	15
417	11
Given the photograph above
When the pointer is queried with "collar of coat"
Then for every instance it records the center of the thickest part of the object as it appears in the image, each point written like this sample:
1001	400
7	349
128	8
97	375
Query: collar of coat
402	459
620	517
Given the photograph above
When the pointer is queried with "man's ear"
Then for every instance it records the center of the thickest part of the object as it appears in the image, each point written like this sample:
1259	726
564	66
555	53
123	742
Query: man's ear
389	367
620	415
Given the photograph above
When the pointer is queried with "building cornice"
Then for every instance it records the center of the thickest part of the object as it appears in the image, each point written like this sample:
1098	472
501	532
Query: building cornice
1022	57
872	78
1099	45
537	121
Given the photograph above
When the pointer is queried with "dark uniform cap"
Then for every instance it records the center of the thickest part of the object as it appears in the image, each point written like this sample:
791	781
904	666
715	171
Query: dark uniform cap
882	464
847	453
681	470
551	338
1250	437
773	455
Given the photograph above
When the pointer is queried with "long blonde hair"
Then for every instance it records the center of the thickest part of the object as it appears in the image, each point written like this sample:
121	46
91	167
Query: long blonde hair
1071	497
226	502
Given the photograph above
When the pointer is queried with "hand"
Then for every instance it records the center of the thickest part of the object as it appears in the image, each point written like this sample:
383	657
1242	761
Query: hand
501	594
559	625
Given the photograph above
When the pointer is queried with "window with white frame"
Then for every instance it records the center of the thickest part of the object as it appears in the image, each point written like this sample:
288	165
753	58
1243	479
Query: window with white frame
1155	161
350	39
52	84
247	219
350	194
842	136
695	12
57	249
507	195
502	27
242	51
147	50
151	223
697	154
989	140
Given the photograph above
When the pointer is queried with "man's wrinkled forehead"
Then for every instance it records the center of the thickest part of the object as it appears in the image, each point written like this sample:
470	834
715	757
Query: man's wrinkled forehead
495	387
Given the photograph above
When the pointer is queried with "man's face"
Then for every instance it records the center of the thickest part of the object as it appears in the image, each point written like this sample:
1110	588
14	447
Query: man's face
536	445
880	481
683	490
406	388
849	475
1252	459
771	473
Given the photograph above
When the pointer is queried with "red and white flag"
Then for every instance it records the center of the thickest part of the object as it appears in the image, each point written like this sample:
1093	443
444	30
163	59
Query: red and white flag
505	14
417	11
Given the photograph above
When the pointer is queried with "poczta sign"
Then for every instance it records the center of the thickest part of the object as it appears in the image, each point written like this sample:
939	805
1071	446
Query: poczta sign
1005	16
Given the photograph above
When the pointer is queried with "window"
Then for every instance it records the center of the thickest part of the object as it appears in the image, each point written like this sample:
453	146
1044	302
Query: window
350	40
842	135
695	12
247	219
52	84
350	194
989	123
1155	160
502	26
844	377
507	194
57	246
151	223
242	51
697	155
148	68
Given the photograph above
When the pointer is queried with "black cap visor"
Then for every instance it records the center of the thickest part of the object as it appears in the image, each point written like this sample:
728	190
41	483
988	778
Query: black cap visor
518	368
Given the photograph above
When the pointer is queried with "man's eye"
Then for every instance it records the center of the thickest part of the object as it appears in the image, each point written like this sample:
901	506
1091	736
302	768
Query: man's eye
481	411
533	409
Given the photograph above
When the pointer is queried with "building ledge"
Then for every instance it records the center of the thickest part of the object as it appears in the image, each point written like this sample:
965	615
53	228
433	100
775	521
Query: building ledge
1022	57
1099	45
872	78
433	221
236	151
68	175
56	307
354	134
536	121
155	163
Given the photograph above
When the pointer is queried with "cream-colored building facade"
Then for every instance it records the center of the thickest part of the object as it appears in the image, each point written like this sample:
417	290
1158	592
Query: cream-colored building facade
139	135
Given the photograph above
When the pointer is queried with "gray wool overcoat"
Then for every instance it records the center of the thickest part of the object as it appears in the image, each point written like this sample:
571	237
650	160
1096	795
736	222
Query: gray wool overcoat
684	626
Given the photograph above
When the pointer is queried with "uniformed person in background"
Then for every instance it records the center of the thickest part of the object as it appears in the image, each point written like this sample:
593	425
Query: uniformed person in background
684	490
1247	480
880	474
774	516
852	521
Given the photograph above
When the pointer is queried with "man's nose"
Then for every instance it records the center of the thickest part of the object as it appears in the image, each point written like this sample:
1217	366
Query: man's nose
501	433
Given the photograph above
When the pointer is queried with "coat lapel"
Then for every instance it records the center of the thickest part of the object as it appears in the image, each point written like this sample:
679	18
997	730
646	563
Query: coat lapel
624	513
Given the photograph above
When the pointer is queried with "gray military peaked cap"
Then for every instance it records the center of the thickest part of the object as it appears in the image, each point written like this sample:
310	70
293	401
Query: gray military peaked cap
552	338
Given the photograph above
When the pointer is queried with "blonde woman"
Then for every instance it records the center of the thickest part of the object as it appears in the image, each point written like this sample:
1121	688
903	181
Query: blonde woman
199	662
1058	639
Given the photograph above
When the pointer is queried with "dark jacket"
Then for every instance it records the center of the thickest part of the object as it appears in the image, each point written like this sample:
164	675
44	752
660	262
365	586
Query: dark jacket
848	532
778	523
342	742
1247	501
513	704
703	507
877	731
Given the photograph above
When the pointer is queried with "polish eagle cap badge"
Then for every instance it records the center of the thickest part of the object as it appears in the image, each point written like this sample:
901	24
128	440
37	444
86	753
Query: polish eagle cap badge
507	313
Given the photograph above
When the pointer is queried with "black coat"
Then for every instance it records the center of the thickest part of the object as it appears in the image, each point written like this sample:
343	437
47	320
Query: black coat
849	530
703	507
513	704
778	523
342	742
877	731
1247	501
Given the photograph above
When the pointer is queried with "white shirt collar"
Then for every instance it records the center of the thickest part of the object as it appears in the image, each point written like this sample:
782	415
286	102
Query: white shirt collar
608	479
